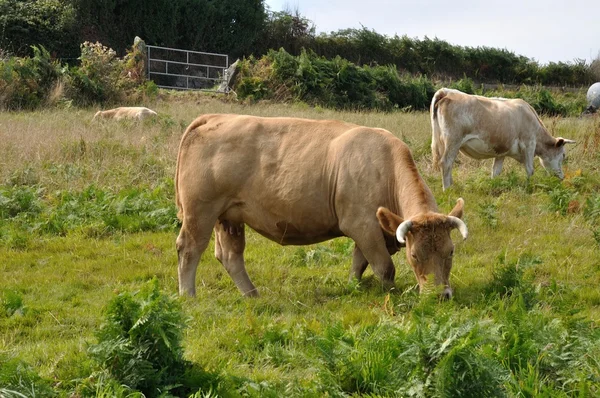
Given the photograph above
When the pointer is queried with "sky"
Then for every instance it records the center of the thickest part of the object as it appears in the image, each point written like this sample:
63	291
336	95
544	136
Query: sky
543	30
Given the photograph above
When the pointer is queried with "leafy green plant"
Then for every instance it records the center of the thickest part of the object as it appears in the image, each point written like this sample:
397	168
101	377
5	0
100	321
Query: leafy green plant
18	379
26	83
591	210
510	278
414	358
140	342
489	213
465	85
12	303
560	197
94	210
20	200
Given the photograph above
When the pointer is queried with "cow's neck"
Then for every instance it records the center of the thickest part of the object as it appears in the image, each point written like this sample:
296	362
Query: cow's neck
543	139
413	196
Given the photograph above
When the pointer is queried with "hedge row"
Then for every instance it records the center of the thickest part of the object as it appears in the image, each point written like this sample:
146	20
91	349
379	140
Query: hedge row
341	84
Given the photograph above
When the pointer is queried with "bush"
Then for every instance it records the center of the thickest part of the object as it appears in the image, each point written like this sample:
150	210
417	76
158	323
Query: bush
544	101
99	77
140	342
48	23
29	82
17	201
465	85
431	355
335	83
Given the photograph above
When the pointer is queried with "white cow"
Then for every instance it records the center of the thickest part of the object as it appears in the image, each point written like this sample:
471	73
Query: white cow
484	128
125	112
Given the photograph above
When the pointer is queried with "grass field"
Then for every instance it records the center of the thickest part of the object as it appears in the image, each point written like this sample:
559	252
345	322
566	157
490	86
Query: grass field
87	212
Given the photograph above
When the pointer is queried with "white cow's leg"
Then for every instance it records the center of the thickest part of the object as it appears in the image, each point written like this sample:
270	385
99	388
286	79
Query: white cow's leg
192	241
447	161
230	241
359	264
528	161
497	167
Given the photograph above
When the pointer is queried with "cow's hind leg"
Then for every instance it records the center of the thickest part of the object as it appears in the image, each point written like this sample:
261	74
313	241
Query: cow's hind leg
230	241
447	161
192	241
497	167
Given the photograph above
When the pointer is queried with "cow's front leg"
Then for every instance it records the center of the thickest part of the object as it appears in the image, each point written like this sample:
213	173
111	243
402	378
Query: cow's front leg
529	154
375	252
359	264
497	167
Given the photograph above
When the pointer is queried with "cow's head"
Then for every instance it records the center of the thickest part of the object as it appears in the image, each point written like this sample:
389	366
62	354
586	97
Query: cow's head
553	154
429	248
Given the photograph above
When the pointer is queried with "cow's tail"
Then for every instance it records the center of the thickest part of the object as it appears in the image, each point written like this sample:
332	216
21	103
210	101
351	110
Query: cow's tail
202	120
437	146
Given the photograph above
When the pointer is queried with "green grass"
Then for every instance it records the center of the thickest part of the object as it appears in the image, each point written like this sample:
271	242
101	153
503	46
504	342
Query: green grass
87	213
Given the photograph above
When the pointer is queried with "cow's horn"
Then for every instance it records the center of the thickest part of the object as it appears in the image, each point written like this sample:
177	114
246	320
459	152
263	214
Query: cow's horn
456	222
403	228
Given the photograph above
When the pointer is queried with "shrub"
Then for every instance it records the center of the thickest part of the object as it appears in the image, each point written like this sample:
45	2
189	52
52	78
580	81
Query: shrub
465	85
97	79
509	278
48	23
20	200
335	83
431	355
27	83
140	342
544	101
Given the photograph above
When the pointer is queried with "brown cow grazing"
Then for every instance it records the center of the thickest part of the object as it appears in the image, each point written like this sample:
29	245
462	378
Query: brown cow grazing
484	128
125	112
300	181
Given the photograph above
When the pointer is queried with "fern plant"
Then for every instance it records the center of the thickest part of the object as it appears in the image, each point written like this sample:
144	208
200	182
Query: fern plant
140	342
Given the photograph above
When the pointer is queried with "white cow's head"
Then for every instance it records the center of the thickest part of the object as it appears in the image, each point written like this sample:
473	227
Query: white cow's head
552	156
429	248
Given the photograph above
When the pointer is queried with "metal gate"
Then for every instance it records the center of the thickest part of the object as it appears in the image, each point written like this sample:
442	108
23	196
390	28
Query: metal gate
187	70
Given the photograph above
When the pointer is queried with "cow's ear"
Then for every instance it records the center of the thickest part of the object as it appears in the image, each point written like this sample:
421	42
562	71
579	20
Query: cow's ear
388	220
458	209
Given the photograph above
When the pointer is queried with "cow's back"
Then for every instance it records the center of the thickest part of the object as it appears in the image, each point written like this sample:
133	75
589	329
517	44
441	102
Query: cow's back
491	126
285	177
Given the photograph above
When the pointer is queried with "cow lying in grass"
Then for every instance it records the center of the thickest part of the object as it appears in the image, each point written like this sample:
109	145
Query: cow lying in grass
298	182
484	128
125	112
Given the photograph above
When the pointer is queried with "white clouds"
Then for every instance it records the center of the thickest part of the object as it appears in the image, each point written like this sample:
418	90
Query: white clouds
546	31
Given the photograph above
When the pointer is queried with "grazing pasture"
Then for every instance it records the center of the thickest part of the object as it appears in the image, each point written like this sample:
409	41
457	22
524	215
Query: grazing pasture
87	212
